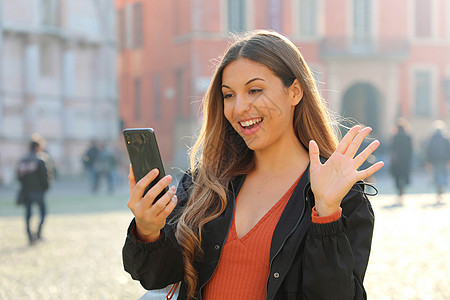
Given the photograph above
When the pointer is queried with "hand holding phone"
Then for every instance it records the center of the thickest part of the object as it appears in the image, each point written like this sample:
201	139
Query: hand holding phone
144	155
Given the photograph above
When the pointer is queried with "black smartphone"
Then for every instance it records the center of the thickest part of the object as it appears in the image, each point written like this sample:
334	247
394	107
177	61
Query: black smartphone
144	155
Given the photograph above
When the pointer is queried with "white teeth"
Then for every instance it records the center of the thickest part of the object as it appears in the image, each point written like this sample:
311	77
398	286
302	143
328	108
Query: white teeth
250	122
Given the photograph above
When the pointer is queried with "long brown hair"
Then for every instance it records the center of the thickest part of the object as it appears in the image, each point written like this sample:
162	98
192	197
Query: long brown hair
220	154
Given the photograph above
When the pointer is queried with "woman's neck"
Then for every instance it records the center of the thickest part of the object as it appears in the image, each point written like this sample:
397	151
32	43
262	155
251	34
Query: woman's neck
282	157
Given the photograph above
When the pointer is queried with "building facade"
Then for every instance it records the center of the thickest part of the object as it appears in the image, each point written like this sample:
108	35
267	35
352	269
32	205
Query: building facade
374	60
57	78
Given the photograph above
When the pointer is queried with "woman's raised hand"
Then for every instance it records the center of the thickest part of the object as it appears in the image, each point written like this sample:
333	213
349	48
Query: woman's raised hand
331	181
150	218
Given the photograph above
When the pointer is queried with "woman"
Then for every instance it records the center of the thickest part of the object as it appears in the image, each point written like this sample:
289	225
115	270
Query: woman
260	214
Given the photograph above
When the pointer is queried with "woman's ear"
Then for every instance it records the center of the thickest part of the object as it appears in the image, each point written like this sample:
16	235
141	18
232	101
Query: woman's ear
295	92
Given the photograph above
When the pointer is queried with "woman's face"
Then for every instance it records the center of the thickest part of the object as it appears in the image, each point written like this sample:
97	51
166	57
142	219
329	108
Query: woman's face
257	104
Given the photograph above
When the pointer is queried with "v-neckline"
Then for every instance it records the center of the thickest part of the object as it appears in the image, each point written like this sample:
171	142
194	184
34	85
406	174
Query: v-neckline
265	216
257	225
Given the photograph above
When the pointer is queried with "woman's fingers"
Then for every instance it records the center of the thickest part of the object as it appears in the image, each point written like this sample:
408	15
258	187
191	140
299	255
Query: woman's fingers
364	155
139	187
151	195
164	206
357	141
150	218
169	207
347	139
370	171
131	181
154	218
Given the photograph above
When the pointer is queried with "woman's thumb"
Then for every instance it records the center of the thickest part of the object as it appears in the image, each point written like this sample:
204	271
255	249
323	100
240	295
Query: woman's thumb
314	153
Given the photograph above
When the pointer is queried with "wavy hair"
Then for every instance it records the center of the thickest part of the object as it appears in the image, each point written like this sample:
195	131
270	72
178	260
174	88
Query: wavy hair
219	153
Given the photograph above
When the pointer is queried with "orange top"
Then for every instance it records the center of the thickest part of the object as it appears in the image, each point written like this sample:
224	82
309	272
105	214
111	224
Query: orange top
243	267
315	218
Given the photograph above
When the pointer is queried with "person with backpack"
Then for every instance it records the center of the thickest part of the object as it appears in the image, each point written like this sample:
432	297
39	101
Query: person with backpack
437	156
33	177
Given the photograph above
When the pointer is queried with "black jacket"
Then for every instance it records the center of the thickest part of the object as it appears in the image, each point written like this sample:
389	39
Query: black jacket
401	154
32	174
307	260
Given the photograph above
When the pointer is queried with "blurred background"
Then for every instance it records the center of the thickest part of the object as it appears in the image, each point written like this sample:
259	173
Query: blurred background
74	73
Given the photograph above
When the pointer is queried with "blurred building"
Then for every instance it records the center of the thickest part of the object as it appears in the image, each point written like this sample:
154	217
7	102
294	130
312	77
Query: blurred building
57	78
374	60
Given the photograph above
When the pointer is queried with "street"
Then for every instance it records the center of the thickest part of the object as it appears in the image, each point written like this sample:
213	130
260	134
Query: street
80	257
410	256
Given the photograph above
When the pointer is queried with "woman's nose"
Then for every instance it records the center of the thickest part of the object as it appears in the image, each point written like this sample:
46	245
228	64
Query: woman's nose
242	104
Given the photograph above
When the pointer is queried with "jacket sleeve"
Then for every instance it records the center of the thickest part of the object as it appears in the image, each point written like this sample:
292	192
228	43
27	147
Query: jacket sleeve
336	254
159	263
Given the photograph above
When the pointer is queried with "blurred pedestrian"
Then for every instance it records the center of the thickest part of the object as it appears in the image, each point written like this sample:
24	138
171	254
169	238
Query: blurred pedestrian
438	156
105	165
45	156
401	154
90	163
33	177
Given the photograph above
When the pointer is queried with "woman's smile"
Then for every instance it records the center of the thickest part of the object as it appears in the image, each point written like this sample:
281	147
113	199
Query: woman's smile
250	126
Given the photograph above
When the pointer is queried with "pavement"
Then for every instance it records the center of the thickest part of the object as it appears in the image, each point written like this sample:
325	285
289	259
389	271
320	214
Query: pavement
80	257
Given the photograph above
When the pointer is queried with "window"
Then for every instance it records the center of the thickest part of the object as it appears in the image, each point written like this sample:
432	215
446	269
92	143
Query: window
137	99
137	25
362	20
84	74
446	85
47	57
157	96
308	18
236	15
448	20
128	26
180	92
121	29
50	12
274	14
422	18
422	93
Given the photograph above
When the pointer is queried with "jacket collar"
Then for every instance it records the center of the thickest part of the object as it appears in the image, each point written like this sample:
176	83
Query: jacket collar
291	215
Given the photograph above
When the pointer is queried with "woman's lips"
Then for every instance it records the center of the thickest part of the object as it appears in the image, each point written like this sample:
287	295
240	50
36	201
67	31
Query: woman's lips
250	126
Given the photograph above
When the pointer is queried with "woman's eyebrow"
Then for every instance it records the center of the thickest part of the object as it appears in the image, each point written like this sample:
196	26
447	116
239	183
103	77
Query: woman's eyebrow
251	80
248	82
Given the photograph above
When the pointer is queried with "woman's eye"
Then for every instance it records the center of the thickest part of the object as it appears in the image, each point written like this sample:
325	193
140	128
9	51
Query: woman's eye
253	91
227	96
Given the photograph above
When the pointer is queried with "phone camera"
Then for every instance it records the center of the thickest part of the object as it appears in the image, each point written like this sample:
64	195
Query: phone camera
128	140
